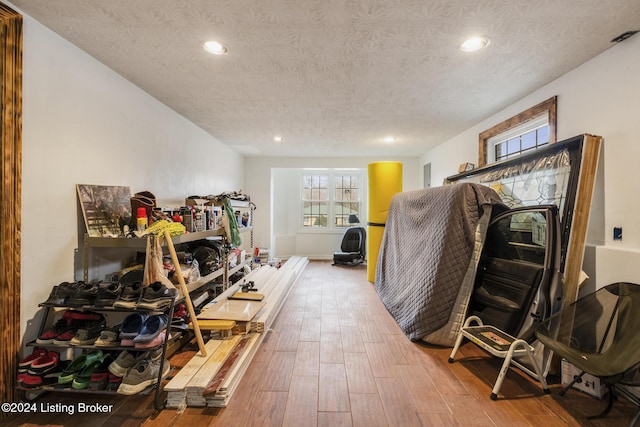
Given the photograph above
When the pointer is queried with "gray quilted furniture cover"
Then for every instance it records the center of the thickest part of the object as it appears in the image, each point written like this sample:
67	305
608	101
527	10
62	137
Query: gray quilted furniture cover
426	250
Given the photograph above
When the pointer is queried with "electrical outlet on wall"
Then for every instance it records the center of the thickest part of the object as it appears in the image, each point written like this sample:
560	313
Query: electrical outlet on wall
617	233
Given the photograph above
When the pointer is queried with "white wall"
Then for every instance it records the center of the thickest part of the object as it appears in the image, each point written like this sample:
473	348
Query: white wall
265	177
84	124
600	97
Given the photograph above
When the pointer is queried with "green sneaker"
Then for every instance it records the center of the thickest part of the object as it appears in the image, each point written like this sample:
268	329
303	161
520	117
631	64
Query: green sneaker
78	364
82	380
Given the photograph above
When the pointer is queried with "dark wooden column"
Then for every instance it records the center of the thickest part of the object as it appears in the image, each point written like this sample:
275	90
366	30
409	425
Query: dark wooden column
10	192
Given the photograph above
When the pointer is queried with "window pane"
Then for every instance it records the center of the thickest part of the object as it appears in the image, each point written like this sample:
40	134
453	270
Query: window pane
501	150
315	187
518	237
529	140
342	212
513	145
543	135
315	214
345	187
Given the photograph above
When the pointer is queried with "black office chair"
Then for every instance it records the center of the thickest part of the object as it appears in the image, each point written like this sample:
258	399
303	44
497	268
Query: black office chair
599	335
353	246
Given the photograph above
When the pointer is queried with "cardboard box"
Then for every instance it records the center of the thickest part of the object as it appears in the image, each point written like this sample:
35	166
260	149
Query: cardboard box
589	384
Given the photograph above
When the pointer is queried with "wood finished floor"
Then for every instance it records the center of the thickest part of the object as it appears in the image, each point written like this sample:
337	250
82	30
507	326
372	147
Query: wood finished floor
335	357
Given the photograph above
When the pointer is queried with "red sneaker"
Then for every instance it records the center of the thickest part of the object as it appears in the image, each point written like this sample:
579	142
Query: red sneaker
44	363
26	363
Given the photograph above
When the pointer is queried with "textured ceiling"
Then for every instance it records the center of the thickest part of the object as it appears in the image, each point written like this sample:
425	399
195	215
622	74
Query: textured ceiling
334	77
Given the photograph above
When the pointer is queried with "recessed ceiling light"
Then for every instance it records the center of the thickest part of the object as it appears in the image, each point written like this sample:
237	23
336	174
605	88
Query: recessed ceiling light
215	48
474	43
277	138
389	139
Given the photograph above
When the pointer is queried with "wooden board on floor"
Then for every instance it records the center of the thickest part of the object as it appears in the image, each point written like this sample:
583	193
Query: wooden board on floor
182	378
251	296
275	286
199	381
238	310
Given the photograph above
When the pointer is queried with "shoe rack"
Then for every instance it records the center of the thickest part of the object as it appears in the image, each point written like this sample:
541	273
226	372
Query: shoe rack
113	315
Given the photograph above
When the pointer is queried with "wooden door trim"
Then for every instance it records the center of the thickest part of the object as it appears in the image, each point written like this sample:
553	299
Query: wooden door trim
10	196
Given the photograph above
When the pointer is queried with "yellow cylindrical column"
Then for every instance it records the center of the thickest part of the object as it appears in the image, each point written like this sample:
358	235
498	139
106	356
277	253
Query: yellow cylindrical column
385	180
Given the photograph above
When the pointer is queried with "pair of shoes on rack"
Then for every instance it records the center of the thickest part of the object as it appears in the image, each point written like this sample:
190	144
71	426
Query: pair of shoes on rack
141	331
95	376
142	374
83	294
35	357
43	371
131	374
108	337
60	294
126	359
78	373
156	296
74	294
89	331
108	293
65	328
129	296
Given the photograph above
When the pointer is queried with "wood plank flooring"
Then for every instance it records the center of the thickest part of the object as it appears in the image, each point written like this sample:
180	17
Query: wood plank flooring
335	357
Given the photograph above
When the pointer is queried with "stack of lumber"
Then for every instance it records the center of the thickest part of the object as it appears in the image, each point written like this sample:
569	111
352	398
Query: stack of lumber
211	380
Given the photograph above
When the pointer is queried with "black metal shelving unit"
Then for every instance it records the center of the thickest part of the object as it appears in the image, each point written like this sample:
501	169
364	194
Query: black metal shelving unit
159	401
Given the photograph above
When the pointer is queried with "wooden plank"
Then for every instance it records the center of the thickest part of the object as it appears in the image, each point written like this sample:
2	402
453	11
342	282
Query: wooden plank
221	398
199	382
215	324
213	363
232	310
251	296
182	378
214	384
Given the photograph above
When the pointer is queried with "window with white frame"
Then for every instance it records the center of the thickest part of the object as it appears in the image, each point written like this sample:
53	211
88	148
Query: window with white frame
524	132
329	198
521	139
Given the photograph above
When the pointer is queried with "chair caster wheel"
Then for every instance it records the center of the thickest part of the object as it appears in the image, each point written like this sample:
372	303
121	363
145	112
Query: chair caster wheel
494	396
451	360
546	391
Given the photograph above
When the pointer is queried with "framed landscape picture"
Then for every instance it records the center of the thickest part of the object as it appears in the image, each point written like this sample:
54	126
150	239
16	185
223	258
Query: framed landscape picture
106	209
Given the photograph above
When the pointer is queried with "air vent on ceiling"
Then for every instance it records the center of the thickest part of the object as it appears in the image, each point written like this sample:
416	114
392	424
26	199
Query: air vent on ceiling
623	36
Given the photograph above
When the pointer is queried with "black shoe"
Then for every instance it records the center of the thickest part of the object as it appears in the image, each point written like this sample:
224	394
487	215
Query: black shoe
83	294
157	296
108	293
130	296
55	298
88	333
60	294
